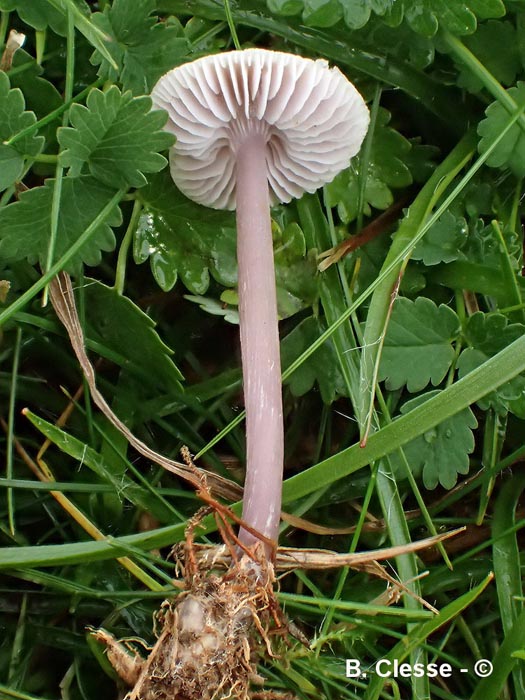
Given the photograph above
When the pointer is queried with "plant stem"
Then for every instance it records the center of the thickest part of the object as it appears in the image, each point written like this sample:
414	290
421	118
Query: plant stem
231	24
120	275
259	344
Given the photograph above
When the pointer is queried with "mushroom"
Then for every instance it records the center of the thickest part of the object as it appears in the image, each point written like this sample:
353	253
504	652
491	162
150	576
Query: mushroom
254	128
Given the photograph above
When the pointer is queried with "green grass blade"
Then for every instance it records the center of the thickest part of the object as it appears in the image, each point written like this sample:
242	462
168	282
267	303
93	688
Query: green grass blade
421	632
507	564
381	303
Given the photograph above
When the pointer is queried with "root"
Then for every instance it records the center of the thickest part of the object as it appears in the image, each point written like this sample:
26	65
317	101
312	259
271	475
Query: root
211	638
212	635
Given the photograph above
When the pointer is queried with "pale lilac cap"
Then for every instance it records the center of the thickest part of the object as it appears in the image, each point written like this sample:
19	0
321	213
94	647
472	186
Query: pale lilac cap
312	117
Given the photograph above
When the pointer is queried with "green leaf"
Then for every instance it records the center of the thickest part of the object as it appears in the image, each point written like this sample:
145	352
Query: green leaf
11	166
25	225
418	345
142	48
356	12
483	245
285	7
115	322
182	238
424	16
389	167
215	307
117	136
486	335
295	272
40	95
502	64
321	13
322	367
443	241
441	453
38	14
13	119
510	152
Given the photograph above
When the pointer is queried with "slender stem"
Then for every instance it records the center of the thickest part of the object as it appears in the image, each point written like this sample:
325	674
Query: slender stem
120	274
59	170
231	24
4	24
259	345
11	430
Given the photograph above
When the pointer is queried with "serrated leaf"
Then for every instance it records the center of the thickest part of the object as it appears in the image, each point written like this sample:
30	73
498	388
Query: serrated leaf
25	225
486	335
418	345
115	322
389	167
483	245
183	238
116	136
14	118
142	48
510	151
442	453
443	241
322	367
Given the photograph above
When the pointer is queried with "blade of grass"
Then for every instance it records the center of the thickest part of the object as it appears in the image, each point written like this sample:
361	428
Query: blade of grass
231	24
421	632
59	170
503	662
464	56
494	432
485	378
85	26
11	429
465	147
124	486
381	302
507	564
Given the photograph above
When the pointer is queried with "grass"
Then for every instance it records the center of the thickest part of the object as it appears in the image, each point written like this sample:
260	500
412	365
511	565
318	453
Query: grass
87	524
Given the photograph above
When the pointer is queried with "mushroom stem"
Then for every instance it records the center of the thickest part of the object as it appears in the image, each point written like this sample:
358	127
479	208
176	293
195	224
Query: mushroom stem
259	332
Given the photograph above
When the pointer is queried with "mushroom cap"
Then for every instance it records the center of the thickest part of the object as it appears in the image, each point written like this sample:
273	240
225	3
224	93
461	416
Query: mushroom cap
312	119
